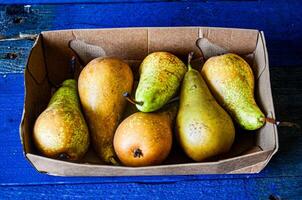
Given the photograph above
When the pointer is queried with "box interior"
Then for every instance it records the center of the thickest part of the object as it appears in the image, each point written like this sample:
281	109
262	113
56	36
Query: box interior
49	62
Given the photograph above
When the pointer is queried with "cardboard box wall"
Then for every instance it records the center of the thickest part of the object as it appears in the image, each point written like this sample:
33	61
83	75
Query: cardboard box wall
48	65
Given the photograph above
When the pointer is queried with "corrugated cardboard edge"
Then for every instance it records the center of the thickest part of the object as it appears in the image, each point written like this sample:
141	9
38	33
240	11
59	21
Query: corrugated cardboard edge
24	85
67	168
261	165
256	168
63	168
21	131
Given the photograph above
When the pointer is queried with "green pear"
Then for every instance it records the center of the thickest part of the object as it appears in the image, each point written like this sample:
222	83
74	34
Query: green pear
231	80
60	130
204	129
160	76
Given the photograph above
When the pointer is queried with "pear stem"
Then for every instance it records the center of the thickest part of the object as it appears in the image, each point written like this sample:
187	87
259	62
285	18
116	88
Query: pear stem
190	56
278	123
131	100
72	66
173	100
270	120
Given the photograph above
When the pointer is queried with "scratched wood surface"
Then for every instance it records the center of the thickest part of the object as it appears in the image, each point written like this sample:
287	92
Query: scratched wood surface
105	1
282	24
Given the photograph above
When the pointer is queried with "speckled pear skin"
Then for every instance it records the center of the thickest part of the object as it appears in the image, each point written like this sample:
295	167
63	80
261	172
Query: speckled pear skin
61	128
101	86
160	76
204	129
150	133
231	80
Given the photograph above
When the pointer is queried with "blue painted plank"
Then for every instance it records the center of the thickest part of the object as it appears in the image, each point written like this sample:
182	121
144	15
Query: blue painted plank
13	56
247	189
101	1
277	20
281	21
77	1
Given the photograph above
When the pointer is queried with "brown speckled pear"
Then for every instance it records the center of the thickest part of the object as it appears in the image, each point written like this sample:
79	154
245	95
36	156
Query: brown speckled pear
101	86
144	139
204	129
231	80
61	131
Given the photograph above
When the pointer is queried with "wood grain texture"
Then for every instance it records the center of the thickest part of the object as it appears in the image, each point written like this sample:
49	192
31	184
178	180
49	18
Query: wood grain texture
281	21
282	24
103	1
261	188
86	1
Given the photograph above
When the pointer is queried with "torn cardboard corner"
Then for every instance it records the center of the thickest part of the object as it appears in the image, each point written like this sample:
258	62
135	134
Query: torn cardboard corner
49	62
209	49
86	52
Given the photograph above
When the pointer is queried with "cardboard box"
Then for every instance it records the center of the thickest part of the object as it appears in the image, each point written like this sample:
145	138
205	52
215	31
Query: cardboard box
48	64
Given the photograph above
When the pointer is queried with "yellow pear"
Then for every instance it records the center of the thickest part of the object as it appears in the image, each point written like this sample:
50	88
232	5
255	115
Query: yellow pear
61	131
101	86
231	80
204	129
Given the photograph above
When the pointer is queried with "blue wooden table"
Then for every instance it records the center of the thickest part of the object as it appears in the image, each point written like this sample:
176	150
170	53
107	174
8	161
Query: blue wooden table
280	20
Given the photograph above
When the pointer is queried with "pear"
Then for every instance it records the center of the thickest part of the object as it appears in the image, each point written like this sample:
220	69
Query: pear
204	129
144	139
231	80
101	86
61	131
160	76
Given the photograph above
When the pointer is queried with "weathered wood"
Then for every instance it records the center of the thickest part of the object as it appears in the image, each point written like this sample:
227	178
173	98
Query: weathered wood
261	188
85	1
280	21
13	56
282	24
104	1
15	20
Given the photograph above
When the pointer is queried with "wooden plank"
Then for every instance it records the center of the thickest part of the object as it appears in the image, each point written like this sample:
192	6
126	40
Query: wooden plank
277	20
13	56
16	170
15	20
261	188
86	1
281	22
102	1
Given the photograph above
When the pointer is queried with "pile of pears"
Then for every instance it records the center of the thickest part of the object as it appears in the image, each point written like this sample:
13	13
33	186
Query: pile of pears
171	100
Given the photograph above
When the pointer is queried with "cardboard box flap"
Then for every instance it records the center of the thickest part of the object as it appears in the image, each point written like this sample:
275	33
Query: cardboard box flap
134	44
37	92
86	52
63	168
240	41
57	55
179	41
127	44
267	136
209	49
